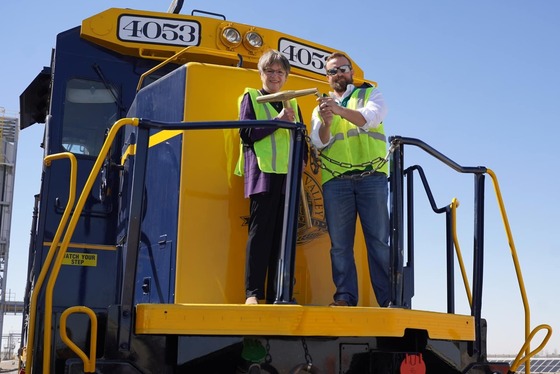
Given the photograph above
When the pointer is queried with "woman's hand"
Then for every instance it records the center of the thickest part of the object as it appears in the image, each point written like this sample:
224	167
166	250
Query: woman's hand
287	114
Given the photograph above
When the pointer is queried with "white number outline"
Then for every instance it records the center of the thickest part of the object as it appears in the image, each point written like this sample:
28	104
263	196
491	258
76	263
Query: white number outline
168	25
316	55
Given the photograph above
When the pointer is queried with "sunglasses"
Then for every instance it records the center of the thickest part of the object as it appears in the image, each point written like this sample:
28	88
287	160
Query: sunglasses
343	69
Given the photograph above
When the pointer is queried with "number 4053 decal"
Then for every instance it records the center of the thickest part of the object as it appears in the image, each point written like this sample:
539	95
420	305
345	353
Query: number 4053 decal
304	56
159	30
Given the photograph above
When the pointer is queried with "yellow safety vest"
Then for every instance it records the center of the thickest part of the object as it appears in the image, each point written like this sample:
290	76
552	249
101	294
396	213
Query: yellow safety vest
351	145
272	151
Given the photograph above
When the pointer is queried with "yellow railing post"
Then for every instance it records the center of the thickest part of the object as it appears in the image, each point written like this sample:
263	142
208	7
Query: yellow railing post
50	254
89	362
528	333
64	246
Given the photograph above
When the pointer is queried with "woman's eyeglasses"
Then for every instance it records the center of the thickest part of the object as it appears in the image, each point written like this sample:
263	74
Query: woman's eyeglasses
271	72
342	69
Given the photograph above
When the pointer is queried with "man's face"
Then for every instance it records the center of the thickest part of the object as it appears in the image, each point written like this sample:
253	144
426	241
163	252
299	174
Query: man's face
338	79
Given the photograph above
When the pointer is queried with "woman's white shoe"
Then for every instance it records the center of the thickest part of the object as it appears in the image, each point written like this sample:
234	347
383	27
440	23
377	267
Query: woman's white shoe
251	301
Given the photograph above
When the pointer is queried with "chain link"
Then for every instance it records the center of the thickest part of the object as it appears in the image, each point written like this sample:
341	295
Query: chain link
316	163
268	357
308	358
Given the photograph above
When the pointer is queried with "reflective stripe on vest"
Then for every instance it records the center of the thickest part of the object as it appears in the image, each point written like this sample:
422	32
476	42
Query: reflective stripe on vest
273	150
351	145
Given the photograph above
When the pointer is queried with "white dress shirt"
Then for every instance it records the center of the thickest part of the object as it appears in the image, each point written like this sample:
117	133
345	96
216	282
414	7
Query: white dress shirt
374	112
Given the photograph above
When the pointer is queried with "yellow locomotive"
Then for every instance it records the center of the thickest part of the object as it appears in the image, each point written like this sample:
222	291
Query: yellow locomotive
138	251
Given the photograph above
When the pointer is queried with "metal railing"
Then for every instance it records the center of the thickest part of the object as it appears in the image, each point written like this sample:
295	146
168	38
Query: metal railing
72	214
403	286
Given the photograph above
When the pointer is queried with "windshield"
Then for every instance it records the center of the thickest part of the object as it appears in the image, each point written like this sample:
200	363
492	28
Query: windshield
89	109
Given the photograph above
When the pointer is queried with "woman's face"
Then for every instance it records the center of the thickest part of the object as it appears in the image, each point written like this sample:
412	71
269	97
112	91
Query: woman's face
273	78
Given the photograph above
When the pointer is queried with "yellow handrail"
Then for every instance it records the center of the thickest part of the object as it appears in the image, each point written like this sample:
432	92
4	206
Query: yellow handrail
72	226
51	252
519	360
528	333
68	236
89	362
454	205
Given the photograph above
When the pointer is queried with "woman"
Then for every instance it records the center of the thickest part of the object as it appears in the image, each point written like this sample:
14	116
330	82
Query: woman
264	168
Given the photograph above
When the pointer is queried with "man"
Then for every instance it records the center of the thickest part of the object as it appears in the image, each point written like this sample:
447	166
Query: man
347	127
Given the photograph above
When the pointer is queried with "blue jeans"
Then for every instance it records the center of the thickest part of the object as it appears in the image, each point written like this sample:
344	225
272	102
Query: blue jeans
344	199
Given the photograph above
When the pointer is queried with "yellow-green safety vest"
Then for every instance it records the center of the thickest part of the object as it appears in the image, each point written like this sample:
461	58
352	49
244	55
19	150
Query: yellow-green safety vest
272	151
351	145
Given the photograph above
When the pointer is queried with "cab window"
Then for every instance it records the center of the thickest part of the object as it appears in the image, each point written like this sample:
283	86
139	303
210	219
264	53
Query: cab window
90	107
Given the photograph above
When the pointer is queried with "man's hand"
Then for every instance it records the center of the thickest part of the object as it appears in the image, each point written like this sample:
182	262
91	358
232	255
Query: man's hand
326	105
326	114
329	105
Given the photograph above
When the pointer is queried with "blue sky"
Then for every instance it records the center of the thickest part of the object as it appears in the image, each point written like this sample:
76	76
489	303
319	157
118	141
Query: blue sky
478	80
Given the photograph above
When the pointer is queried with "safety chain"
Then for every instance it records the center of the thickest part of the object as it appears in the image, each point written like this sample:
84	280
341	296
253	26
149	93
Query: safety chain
316	163
308	358
268	357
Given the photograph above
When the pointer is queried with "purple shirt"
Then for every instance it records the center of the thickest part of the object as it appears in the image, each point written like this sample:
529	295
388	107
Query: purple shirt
255	180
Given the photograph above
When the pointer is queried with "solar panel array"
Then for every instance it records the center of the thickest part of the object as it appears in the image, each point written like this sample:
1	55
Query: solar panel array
542	365
538	365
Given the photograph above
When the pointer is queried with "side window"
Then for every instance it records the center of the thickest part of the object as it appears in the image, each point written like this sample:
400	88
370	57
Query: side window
90	107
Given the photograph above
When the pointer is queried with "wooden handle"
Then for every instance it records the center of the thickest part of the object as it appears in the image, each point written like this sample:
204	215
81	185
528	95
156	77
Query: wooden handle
285	95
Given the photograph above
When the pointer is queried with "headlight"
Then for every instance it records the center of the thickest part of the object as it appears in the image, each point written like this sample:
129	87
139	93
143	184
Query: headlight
231	37
253	40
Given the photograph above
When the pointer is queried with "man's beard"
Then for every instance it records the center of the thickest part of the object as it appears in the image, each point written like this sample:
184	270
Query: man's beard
339	84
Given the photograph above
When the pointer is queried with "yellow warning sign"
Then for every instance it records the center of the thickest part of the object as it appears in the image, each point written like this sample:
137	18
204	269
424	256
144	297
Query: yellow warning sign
80	259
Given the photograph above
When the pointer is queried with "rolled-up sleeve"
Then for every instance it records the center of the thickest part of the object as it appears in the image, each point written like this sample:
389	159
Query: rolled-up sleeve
316	124
374	111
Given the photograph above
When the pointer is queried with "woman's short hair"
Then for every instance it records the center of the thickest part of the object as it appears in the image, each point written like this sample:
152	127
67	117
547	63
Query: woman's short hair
272	57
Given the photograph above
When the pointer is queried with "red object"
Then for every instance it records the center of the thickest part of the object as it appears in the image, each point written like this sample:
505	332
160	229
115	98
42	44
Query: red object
413	364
